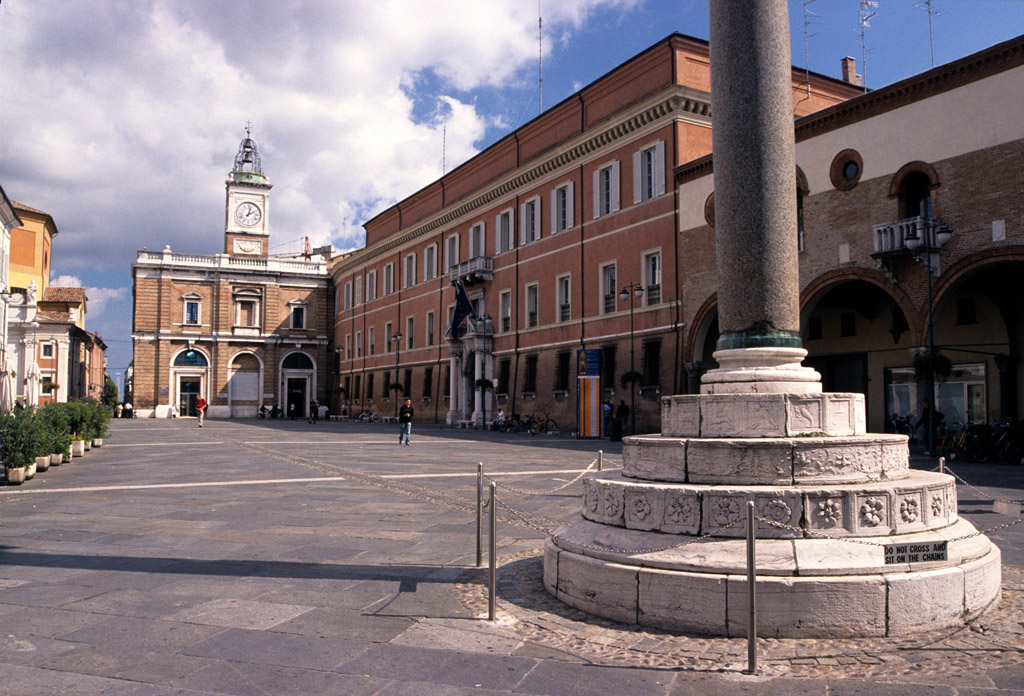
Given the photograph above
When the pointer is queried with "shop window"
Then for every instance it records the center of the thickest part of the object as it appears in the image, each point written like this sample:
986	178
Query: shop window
530	378
650	363
504	375
428	381
608	367
562	371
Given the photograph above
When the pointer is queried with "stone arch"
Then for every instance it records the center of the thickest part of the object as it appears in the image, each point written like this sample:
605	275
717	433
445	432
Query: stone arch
706	315
297	383
909	168
245	384
817	288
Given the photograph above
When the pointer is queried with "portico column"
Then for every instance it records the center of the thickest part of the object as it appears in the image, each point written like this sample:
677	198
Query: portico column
489	395
453	385
478	373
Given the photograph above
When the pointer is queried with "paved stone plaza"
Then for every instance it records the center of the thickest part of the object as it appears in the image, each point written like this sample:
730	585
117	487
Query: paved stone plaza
283	558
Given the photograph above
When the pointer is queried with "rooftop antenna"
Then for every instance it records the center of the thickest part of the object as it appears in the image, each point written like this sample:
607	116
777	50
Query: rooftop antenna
809	18
540	61
927	7
866	14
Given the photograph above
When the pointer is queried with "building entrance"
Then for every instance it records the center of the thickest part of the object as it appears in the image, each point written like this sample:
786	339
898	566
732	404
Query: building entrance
296	396
188	392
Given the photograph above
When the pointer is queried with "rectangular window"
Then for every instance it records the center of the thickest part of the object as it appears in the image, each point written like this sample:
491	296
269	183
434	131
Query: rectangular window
298	317
347	296
245	313
532	304
371	286
359	344
504	375
503	231
357	284
564	306
47	350
652	278
389	279
410	271
506	311
371	341
348	346
562	371
609	298
369	386
477	241
430	328
608	367
530	377
430	262
359	385
531	220
192	312
428	381
649	172
562	208
387	338
606	190
385	386
407	383
337	300
451	250
650	363
410	333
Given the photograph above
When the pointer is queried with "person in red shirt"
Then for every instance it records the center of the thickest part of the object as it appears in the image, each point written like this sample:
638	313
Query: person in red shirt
201	409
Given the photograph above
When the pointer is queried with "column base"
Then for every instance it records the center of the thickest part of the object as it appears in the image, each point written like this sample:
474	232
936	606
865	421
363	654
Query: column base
764	370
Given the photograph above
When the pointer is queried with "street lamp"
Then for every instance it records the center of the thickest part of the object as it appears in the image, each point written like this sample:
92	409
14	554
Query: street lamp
936	236
395	341
628	292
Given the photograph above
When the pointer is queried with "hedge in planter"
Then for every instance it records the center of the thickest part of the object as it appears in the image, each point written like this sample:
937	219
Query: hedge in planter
59	423
18	439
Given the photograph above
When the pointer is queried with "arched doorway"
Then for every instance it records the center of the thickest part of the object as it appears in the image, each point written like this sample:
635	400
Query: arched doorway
298	384
245	385
701	345
856	334
189	380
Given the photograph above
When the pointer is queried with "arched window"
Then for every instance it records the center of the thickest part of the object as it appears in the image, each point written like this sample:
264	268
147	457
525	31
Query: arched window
190	358
297	361
915	196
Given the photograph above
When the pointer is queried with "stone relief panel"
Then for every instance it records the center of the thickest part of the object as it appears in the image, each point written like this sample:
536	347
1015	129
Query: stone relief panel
644	507
909	510
803	414
768	461
743	415
724	513
592	503
873	513
835	460
895	458
839	415
828	512
611	499
682	513
680	416
783	508
655	459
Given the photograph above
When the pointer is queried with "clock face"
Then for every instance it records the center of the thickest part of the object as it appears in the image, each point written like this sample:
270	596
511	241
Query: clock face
248	214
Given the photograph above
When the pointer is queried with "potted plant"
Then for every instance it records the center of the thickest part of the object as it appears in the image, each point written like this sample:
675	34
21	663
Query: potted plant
77	421
99	417
933	365
41	433
630	377
56	418
15	445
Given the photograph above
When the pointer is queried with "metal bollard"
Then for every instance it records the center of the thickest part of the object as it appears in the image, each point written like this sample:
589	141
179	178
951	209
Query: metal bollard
492	579
479	513
942	465
751	593
600	459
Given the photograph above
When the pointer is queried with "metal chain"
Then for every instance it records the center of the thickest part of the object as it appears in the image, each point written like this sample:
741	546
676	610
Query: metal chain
684	542
523	519
547	492
961	479
989	530
811	533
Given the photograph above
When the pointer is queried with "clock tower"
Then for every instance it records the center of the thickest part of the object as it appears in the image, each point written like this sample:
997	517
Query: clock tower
247	225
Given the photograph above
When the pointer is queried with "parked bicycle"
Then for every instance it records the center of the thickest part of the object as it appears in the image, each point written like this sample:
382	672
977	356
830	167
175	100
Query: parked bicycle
369	417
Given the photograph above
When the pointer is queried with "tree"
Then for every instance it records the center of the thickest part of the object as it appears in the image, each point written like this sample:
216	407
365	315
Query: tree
110	395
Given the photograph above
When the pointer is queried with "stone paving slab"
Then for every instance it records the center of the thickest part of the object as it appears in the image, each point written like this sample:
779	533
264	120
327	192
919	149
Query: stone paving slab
366	585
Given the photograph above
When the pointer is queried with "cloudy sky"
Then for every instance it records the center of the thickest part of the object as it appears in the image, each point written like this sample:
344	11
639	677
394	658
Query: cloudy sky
121	118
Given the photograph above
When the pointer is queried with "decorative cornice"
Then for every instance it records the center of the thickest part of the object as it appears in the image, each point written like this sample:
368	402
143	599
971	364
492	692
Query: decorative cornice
679	102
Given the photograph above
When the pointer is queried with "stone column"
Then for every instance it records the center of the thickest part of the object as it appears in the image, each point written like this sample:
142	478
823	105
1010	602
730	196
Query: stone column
755	201
453	384
489	395
478	373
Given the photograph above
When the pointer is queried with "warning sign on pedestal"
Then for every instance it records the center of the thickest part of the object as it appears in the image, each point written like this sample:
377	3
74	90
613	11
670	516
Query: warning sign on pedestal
921	552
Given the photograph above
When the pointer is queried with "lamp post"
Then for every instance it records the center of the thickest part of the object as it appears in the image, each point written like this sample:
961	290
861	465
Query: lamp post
395	338
936	237
628	292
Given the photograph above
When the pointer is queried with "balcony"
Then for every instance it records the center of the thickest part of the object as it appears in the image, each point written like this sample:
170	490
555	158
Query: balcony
564	312
476	270
506	324
609	303
891	238
653	295
531	319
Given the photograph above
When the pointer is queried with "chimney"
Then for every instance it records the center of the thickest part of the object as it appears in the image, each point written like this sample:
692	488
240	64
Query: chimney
850	71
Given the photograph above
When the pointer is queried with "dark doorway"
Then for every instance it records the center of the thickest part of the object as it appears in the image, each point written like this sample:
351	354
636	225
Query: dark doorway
841	373
296	397
188	392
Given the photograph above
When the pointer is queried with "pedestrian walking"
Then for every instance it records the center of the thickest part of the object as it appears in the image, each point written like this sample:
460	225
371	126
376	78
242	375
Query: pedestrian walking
314	411
405	421
291	411
200	409
606	413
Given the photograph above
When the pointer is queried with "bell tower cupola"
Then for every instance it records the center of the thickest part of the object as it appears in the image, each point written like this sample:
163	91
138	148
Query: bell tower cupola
247	224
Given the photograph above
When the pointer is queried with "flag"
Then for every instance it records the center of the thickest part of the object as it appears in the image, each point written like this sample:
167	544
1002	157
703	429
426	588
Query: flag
463	309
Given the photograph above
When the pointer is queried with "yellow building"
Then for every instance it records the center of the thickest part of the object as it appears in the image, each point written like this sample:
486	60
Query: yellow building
30	248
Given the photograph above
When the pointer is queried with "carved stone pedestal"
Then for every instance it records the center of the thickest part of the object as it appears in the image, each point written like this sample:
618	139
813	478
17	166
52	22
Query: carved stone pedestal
661	542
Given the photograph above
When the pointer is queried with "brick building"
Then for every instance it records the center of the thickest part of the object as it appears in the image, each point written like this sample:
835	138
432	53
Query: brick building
545	228
895	186
241	329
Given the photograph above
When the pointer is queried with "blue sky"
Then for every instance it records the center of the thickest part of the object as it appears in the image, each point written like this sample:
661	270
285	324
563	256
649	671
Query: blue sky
122	118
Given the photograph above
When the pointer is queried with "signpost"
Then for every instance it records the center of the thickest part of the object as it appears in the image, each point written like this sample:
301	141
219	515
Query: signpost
588	382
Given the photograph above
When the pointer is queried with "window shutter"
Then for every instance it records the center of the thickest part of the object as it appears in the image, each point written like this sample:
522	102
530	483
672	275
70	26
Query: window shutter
537	218
522	224
659	168
497	234
570	206
554	209
637	176
615	186
597	193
